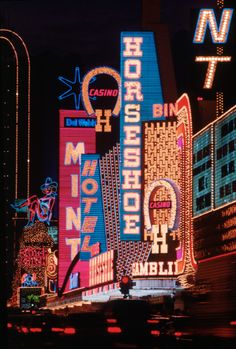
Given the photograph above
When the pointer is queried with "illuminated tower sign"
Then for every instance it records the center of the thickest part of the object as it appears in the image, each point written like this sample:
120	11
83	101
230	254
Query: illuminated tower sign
140	89
77	137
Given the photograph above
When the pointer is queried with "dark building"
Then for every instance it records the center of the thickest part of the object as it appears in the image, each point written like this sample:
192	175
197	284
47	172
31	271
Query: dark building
214	195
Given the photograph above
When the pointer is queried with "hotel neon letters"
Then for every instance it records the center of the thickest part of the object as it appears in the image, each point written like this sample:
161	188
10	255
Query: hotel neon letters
73	155
89	186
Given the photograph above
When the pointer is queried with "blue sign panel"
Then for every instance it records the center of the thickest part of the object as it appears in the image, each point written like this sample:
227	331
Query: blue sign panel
93	237
140	89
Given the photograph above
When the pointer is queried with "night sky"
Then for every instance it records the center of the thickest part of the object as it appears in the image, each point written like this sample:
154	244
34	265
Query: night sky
62	35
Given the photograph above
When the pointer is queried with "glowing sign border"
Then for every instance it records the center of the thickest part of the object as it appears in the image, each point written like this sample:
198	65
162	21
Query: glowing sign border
85	88
175	199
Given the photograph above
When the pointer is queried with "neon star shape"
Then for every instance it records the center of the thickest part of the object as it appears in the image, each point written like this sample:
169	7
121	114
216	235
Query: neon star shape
74	88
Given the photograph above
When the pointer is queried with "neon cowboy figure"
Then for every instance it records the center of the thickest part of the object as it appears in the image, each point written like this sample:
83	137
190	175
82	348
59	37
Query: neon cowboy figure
40	208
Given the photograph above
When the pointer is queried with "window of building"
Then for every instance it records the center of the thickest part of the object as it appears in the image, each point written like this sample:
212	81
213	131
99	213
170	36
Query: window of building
224	170
231	166
222	192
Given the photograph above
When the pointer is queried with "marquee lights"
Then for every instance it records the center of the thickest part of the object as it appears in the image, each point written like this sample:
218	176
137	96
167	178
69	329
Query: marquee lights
211	69
207	18
219	35
154	269
175	202
186	261
101	268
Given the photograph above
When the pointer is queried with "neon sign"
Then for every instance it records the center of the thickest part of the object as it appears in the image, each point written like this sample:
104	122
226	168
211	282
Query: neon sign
206	19
74	141
159	204
101	268
30	257
28	280
74	88
103	92
166	109
140	76
93	237
40	208
78	89
103	115
219	35
86	92
154	269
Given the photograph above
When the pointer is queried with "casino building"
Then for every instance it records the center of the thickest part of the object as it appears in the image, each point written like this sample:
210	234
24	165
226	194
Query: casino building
129	212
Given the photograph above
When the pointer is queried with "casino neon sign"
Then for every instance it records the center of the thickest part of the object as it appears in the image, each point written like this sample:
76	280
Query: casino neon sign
101	92
103	115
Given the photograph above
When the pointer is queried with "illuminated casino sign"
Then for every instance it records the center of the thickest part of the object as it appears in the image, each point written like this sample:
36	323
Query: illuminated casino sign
74	141
101	92
154	269
99	101
160	204
141	88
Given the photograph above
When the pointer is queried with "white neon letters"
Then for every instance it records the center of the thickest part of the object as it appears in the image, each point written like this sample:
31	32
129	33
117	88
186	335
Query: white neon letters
131	154
211	69
219	35
207	18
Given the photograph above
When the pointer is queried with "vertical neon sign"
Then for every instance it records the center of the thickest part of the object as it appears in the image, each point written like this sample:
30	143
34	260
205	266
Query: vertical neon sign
140	89
93	237
75	140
